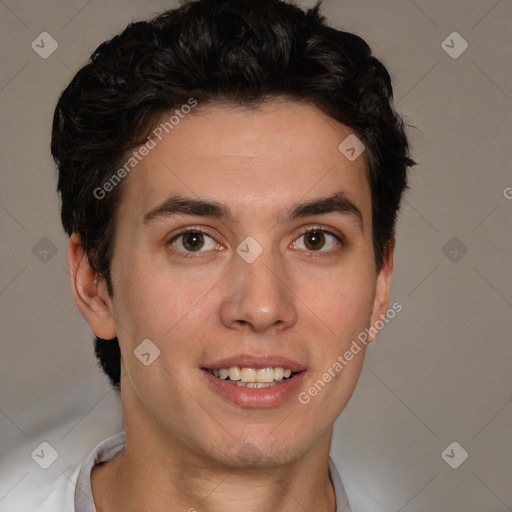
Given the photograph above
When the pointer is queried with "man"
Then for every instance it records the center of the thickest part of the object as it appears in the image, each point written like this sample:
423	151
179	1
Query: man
230	174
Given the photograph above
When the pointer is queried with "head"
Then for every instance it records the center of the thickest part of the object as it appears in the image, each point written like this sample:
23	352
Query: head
240	107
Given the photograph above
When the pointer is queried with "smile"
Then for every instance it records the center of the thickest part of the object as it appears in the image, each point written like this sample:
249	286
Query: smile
252	377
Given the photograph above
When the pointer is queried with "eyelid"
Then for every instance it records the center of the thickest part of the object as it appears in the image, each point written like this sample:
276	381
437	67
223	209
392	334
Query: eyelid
331	231
188	229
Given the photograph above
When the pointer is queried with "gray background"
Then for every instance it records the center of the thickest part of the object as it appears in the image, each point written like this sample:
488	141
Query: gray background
439	372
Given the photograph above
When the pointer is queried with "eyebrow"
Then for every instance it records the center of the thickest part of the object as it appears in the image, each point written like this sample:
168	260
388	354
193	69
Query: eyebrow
336	203
176	205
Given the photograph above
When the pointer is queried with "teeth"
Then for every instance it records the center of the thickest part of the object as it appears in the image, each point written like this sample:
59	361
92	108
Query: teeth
234	373
251	377
248	375
265	375
278	373
256	384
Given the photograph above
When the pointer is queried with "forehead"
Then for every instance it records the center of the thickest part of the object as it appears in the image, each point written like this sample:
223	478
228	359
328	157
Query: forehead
256	160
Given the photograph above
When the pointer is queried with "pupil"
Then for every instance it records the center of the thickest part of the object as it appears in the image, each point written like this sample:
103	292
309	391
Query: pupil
193	241
315	239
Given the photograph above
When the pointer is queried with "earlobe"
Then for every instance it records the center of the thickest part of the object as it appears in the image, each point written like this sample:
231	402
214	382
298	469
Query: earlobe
90	293
381	300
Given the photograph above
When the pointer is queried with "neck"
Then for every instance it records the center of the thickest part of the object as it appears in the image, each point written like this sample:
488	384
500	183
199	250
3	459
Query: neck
142	478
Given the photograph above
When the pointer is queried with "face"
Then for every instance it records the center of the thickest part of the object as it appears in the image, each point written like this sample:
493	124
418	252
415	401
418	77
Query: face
276	271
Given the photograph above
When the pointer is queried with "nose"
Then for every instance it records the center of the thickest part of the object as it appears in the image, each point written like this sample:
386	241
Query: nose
258	296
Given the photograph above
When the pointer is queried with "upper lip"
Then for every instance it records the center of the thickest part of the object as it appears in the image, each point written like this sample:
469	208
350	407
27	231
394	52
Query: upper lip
249	361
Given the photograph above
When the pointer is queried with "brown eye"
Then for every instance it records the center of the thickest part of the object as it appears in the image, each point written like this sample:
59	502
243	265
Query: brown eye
318	240
314	240
193	241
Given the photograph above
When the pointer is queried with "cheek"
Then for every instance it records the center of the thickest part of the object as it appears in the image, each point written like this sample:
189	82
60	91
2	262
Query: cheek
175	310
343	302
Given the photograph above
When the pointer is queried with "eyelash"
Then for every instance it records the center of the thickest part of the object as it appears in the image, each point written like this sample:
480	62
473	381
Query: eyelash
313	229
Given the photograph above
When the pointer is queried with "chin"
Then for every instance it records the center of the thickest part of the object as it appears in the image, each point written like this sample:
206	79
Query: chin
265	452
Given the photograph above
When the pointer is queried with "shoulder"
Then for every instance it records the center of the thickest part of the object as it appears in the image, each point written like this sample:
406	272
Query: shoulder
342	503
25	487
43	493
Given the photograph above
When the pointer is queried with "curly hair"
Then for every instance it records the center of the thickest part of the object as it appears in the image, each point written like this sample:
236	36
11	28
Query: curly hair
243	52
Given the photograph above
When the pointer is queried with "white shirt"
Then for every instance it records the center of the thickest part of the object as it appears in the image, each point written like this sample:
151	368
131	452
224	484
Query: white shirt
72	492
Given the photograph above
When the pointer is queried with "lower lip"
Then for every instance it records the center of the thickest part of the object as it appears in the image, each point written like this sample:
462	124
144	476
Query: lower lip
257	397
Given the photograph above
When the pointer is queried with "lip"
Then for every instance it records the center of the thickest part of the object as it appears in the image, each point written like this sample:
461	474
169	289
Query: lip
256	397
249	361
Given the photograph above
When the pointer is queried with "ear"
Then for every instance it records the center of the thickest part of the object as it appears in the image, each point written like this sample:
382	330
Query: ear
91	296
381	300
